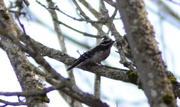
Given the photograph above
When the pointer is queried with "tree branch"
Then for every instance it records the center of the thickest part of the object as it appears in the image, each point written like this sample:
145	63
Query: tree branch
147	57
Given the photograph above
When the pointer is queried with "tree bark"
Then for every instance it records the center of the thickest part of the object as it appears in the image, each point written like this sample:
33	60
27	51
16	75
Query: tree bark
145	52
17	57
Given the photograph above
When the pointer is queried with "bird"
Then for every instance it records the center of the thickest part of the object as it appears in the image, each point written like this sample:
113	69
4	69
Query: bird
94	55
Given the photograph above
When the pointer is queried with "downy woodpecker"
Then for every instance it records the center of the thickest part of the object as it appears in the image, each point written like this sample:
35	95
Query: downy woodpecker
94	55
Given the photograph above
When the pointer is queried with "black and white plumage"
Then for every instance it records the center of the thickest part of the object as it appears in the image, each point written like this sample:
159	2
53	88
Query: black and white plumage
96	54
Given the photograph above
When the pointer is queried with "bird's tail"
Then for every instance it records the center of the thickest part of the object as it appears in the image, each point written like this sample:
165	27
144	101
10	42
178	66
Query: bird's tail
74	65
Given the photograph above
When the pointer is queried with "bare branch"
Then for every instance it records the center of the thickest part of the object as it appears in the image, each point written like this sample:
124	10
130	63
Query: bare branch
33	92
11	103
84	33
117	74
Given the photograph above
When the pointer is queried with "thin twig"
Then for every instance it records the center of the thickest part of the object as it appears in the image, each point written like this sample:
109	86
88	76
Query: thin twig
11	103
34	92
84	33
96	25
60	22
81	19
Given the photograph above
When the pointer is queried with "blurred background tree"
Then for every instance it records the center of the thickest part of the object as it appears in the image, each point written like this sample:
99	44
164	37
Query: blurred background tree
39	37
